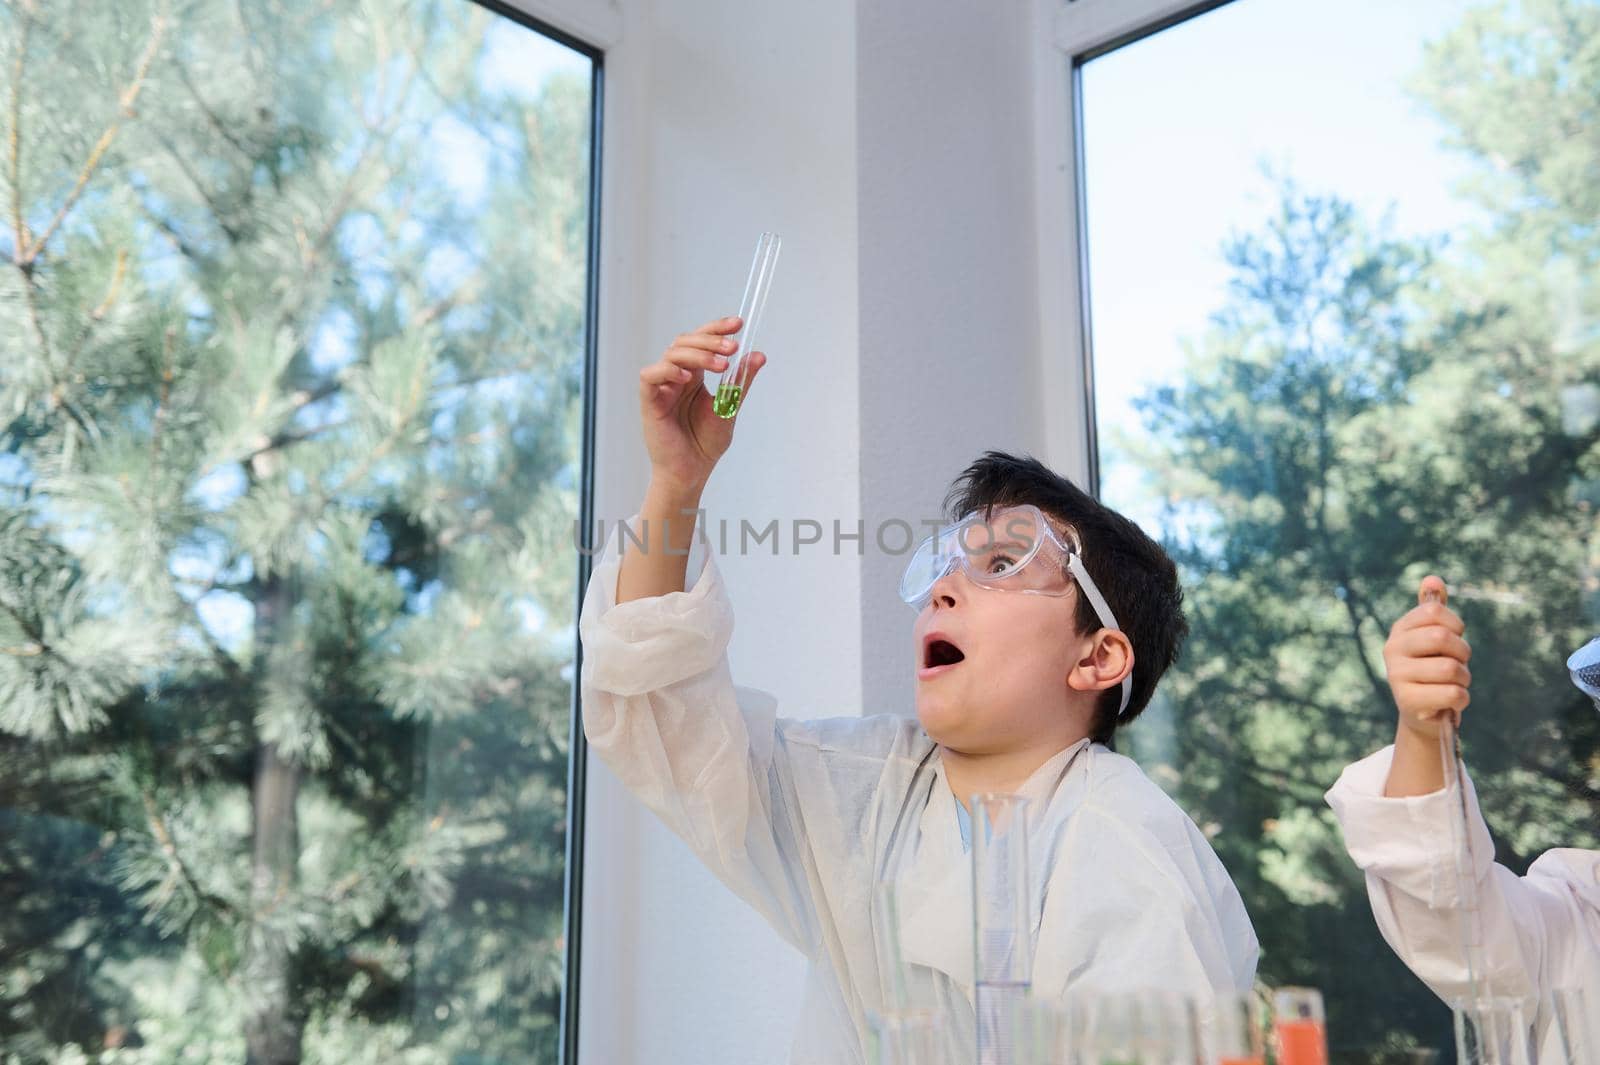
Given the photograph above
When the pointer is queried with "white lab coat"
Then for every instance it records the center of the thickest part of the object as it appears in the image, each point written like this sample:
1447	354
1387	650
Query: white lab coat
800	818
1541	932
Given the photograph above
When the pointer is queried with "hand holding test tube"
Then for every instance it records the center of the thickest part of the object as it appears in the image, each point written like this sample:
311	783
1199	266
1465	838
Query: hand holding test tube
686	428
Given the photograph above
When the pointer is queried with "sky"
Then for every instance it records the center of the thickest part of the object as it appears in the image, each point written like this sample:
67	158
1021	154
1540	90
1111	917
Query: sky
516	61
1176	127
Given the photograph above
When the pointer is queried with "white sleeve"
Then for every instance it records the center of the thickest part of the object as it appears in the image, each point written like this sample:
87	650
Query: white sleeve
661	710
1404	847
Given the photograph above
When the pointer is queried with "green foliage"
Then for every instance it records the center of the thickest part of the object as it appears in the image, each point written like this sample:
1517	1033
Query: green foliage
287	412
1362	412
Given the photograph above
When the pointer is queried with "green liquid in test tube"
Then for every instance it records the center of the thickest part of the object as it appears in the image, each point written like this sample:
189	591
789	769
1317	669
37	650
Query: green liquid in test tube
726	401
731	388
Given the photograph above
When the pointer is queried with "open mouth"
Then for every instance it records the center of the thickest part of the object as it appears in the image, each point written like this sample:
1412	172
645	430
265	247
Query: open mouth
941	653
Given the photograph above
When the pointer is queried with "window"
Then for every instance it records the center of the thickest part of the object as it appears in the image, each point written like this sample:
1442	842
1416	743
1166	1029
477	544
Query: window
294	327
1344	334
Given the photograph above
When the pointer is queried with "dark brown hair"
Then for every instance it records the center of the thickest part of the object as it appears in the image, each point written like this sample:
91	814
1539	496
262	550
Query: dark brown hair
1137	578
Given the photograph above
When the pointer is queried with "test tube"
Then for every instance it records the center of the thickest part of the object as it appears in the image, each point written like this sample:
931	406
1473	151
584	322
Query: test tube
1236	1030
1493	1031
736	378
914	1037
1172	1022
886	921
1470	923
1111	1028
1575	1024
1040	1033
1002	931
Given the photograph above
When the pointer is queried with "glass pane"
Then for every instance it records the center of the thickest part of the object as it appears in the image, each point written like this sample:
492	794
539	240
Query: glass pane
292	334
1345	334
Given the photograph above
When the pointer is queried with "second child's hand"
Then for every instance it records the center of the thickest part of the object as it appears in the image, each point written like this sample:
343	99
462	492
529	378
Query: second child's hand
1426	659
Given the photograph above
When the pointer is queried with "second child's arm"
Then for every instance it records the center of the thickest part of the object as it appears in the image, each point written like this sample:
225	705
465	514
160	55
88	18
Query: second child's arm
1395	814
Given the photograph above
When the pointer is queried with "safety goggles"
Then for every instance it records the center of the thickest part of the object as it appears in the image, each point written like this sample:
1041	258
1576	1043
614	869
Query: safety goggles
1014	549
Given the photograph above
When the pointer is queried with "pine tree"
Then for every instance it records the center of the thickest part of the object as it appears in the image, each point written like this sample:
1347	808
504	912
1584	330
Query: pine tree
291	337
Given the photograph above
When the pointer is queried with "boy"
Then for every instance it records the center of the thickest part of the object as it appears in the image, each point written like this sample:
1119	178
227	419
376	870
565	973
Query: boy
1541	932
1023	674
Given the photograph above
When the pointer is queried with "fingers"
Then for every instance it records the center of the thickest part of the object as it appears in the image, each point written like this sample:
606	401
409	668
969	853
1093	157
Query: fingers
1432	700
1433	590
758	359
661	384
1426	657
1429	614
678	365
693	359
754	362
1425	688
716	328
1432	595
701	351
722	325
1430	641
703	342
1406	666
1432	672
662	373
705	350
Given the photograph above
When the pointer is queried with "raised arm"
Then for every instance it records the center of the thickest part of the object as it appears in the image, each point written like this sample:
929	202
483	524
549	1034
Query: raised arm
659	704
661	711
665	526
685	438
1537	931
1397	820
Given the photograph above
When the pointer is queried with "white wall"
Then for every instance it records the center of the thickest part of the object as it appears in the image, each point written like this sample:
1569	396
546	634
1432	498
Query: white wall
949	329
891	143
722	122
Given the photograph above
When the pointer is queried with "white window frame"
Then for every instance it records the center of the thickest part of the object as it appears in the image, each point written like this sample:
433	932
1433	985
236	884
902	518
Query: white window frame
597	23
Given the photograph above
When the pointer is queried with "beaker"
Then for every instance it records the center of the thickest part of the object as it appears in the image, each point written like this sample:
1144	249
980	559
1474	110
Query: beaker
1002	928
1494	1031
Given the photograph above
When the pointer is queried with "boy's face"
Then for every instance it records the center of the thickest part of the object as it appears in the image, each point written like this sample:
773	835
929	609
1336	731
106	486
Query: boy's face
1010	689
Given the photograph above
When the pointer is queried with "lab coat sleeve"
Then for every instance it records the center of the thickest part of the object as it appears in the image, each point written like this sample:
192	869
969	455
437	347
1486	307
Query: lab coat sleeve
661	711
1404	847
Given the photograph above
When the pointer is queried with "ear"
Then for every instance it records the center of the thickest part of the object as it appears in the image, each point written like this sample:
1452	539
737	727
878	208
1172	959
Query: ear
1107	658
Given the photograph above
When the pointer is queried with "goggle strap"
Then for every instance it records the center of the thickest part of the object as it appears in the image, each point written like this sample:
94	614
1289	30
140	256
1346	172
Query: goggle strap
1102	610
